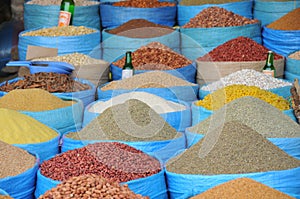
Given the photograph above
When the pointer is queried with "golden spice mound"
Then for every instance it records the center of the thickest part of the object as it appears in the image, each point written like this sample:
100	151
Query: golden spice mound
245	188
289	21
220	97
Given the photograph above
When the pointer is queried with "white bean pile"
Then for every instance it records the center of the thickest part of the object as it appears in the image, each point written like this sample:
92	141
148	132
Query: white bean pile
58	2
247	77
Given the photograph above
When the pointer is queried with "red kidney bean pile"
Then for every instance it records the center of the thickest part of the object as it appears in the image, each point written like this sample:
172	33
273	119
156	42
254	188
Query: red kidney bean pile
155	56
217	17
237	50
90	186
112	160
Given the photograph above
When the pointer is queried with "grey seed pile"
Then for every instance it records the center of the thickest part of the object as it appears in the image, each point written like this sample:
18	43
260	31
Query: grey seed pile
153	79
14	160
232	148
130	121
255	113
248	77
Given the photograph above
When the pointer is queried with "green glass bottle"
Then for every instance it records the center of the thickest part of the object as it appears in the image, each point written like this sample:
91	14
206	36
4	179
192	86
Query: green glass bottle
128	69
269	68
66	13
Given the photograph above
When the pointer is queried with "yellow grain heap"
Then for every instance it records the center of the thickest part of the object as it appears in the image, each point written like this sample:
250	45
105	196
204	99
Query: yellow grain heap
32	100
220	97
244	188
18	128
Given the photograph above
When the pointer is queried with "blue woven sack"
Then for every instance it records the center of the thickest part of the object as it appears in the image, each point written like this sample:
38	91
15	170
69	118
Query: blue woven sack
292	65
291	76
182	186
282	42
114	16
64	44
268	11
114	46
38	16
22	185
185	13
196	42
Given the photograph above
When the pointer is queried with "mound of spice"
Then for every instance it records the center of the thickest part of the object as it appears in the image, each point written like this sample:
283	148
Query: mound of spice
289	21
155	56
133	120
217	17
222	96
90	186
202	2
252	112
152	79
52	82
141	28
237	50
34	99
112	160
232	148
18	128
245	188
144	4
14	160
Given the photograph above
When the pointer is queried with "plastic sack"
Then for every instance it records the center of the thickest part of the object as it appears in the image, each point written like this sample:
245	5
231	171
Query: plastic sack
3	193
268	11
114	45
114	16
179	120
182	186
153	186
196	42
163	149
44	149
192	138
291	76
185	13
282	42
183	93
38	16
64	44
187	73
6	42
292	65
22	185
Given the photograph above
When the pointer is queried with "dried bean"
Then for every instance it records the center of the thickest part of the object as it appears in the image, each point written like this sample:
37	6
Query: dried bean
143	4
289	21
217	17
5	197
237	50
58	2
116	161
155	56
295	55
93	186
201	2
57	31
51	82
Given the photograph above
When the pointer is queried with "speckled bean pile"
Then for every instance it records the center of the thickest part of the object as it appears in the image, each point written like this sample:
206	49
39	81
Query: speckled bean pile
60	31
295	55
58	2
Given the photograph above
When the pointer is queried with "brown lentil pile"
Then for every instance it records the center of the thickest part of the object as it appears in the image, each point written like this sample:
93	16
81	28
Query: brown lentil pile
133	120
112	160
33	99
58	2
5	197
90	186
232	148
222	96
51	82
152	79
255	113
143	4
155	58
217	17
237	50
141	28
57	31
245	188
295	55
289	21
14	160
202	2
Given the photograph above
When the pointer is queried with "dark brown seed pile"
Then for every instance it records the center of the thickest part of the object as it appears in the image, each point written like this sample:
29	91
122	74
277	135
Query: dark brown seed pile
143	4
140	28
112	160
133	120
232	149
217	17
289	21
90	186
201	2
5	197
237	50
